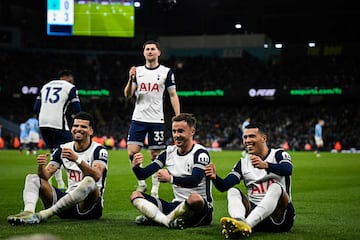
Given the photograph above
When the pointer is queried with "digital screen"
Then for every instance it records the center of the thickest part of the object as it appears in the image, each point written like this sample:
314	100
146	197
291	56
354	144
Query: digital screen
110	18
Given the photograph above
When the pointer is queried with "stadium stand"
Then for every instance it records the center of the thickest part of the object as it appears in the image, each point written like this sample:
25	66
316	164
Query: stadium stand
219	118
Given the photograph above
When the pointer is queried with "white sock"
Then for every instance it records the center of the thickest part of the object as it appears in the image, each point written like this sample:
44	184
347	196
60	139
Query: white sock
150	210
59	179
141	182
236	206
181	210
31	192
86	186
267	205
155	184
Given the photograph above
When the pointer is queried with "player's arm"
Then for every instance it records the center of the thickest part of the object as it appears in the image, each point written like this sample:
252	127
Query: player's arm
37	105
174	99
99	165
283	167
201	159
143	173
231	179
74	100
95	171
45	169
189	181
130	85
225	184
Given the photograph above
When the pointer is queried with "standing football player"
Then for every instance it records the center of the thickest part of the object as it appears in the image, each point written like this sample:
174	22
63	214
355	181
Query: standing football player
54	100
266	173
318	137
148	83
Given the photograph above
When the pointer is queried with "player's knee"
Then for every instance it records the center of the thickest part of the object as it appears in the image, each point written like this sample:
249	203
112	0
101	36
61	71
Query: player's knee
136	194
34	179
234	192
87	185
195	200
275	189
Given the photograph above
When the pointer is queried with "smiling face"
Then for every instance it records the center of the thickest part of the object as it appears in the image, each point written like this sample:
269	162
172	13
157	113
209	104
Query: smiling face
255	141
81	130
183	135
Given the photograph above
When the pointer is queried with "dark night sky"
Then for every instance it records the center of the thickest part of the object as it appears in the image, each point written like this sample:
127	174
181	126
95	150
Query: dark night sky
291	21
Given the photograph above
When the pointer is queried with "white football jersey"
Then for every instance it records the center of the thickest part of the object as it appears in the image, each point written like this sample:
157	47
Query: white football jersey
150	87
54	97
182	166
95	153
257	181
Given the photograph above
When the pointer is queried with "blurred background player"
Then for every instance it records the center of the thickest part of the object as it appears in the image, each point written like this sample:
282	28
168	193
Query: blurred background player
245	123
318	136
148	83
243	126
32	124
55	100
24	134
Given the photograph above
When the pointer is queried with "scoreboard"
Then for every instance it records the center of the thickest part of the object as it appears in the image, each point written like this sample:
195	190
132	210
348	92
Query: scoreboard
60	17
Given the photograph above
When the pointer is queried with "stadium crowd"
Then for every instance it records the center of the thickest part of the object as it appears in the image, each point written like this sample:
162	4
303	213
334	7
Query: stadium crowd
219	121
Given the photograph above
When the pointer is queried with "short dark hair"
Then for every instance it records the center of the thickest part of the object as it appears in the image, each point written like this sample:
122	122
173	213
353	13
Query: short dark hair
65	72
187	117
85	116
157	44
258	126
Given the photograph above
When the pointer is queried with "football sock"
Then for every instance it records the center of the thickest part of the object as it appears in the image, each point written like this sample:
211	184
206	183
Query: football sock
155	184
31	192
236	207
59	179
267	205
86	186
182	210
141	183
150	210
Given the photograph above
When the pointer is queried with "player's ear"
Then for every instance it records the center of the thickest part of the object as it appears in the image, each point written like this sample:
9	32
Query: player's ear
91	132
264	137
193	130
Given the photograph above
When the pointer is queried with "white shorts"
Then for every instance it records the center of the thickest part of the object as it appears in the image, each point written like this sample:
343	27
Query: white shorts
24	140
33	137
319	141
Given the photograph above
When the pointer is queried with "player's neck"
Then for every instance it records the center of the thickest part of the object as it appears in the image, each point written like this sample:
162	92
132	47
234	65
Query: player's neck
187	148
152	64
264	153
83	145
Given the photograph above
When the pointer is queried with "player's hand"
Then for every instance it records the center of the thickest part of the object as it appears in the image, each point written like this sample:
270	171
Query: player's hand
163	175
210	171
138	159
69	154
132	72
257	162
42	159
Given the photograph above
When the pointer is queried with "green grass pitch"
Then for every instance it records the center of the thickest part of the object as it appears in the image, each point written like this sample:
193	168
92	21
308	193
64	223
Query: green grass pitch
112	20
326	194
